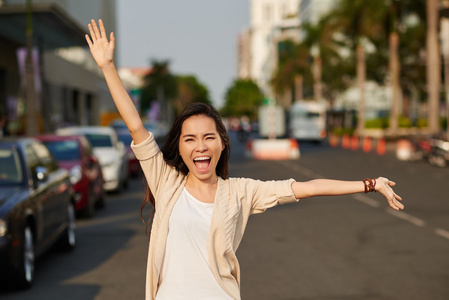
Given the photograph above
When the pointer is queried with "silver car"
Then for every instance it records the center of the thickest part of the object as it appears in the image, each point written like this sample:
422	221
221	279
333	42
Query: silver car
110	152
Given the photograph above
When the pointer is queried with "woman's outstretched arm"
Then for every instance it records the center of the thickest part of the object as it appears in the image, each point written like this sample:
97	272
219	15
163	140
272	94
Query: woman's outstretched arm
327	187
103	51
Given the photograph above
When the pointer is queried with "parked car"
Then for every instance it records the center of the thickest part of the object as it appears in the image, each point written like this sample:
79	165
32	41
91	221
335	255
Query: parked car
439	155
109	150
133	163
118	124
159	130
36	208
75	154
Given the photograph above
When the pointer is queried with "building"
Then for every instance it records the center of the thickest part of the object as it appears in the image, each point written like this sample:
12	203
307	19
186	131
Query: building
310	11
244	55
69	87
270	20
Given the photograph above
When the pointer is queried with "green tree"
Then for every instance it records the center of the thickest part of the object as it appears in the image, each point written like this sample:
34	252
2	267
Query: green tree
326	54
378	22
243	97
159	85
292	72
190	90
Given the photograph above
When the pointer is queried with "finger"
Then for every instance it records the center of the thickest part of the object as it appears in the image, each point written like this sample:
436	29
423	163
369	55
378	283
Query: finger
391	183
398	204
95	27
89	42
397	197
102	30
112	40
92	33
393	201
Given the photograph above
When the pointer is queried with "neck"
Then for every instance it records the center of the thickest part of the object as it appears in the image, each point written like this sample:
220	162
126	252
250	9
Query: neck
198	183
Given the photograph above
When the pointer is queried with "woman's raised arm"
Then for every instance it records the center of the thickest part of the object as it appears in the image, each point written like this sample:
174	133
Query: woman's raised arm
103	51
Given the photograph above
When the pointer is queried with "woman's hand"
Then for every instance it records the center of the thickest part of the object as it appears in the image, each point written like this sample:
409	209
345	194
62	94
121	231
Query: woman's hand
101	49
383	185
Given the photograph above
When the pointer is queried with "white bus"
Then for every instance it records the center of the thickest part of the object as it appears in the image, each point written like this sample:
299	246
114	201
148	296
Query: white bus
308	120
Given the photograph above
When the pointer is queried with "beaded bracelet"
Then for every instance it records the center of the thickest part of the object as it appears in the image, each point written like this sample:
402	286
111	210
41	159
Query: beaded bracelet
370	185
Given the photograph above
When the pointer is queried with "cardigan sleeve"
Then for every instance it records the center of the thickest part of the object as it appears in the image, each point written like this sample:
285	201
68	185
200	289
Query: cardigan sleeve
266	194
153	165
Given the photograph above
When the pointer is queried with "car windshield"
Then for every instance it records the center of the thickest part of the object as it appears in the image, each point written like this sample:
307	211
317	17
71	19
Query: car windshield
125	138
10	168
64	150
99	140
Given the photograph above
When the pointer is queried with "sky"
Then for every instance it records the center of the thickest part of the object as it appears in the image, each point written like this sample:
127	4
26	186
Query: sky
198	37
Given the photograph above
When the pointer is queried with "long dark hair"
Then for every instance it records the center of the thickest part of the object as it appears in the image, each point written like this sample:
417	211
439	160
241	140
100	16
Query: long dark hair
170	148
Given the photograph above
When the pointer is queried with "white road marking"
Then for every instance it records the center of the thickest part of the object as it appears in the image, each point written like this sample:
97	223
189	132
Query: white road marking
406	217
367	200
441	232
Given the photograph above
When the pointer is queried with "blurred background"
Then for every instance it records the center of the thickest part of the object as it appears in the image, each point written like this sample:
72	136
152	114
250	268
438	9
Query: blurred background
307	89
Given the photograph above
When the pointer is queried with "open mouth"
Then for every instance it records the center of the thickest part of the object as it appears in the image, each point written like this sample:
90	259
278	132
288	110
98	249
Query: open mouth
202	163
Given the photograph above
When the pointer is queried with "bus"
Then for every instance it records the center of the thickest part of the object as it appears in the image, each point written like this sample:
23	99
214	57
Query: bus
308	120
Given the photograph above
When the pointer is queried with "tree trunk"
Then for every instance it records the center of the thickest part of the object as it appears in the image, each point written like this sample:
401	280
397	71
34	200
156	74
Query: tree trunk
361	79
317	77
299	94
433	65
395	87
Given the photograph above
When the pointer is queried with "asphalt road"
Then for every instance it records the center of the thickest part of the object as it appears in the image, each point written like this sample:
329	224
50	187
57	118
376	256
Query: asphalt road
345	247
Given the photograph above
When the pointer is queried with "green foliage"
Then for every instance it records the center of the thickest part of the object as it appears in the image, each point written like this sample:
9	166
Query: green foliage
190	90
340	131
159	83
243	97
377	123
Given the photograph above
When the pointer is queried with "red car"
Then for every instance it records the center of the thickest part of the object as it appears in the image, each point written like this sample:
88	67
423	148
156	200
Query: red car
74	153
133	164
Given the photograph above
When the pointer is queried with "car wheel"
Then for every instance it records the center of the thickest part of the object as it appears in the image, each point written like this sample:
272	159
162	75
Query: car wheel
101	201
89	211
27	258
68	240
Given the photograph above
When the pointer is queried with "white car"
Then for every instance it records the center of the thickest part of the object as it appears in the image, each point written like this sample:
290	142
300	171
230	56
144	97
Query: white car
110	152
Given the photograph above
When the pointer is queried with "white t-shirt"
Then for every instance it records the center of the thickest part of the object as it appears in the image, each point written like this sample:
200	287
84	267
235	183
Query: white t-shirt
185	273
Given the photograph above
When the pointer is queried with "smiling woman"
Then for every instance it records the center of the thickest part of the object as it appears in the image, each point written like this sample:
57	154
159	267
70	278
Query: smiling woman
200	214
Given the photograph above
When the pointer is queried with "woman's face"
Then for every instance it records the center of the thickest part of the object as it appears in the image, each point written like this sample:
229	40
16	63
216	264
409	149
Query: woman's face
200	147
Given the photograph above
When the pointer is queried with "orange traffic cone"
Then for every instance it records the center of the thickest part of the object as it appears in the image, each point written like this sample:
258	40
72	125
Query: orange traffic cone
345	142
333	140
381	150
366	144
354	143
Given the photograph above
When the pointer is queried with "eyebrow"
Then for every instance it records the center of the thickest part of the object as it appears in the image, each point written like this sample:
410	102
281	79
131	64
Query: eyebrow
193	135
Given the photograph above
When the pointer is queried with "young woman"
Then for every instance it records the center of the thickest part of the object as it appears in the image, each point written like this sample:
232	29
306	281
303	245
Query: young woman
200	213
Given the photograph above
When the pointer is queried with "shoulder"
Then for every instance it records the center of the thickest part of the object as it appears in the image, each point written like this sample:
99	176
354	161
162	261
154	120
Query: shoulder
146	149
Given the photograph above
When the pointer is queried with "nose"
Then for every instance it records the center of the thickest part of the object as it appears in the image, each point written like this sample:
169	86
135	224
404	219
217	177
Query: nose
201	146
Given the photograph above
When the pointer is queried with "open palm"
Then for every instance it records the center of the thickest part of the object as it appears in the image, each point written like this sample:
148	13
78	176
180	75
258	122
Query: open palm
102	50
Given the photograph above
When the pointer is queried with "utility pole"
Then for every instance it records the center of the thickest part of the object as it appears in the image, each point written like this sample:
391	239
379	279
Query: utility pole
31	127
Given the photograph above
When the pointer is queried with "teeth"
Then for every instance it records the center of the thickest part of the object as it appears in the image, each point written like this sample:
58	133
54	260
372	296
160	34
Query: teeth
202	158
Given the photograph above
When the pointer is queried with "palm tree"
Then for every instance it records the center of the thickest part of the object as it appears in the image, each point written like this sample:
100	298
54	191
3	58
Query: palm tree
324	49
374	20
159	85
433	65
350	17
292	70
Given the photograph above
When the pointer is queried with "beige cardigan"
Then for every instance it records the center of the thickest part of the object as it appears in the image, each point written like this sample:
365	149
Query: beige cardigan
235	200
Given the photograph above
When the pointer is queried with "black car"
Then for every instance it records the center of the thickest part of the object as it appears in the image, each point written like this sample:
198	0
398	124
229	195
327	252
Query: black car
36	208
